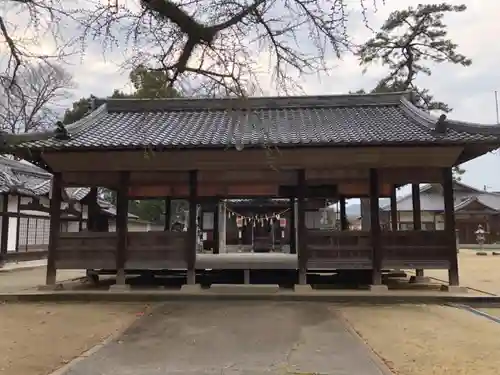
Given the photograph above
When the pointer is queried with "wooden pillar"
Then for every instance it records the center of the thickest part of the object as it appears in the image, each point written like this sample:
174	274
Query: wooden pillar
415	197
394	210
4	242
223	239
55	228
292	227
18	223
191	252
216	233
417	216
375	228
121	226
301	245
344	224
449	225
168	213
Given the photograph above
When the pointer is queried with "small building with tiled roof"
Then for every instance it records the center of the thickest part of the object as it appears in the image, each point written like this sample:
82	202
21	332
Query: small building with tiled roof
299	148
473	207
25	199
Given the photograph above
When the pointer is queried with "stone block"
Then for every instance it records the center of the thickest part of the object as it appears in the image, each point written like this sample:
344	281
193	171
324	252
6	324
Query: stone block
119	288
481	253
420	280
381	288
303	288
244	288
191	288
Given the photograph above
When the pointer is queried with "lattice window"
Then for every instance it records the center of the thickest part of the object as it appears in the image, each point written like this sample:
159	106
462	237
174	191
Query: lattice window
23	231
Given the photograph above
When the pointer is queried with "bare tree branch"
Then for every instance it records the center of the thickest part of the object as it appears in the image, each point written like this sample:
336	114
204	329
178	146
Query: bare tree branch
213	46
32	103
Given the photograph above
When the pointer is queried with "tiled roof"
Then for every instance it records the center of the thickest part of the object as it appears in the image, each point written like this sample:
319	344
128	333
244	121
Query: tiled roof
285	121
432	199
17	177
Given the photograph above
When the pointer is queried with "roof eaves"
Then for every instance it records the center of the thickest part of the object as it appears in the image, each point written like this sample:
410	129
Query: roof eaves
430	121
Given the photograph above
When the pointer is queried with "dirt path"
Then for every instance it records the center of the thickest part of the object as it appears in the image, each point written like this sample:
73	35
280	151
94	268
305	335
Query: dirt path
36	339
24	279
429	340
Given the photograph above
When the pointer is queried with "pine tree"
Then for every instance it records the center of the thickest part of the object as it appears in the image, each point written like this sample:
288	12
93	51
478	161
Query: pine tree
407	43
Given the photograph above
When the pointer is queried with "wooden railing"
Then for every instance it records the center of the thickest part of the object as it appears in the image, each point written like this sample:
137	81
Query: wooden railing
339	250
150	250
415	249
86	250
145	250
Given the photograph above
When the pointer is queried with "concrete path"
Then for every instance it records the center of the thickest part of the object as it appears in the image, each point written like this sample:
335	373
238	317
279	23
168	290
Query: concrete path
237	338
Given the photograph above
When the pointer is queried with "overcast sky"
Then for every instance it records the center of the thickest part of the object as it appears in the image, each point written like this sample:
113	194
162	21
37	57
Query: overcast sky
469	91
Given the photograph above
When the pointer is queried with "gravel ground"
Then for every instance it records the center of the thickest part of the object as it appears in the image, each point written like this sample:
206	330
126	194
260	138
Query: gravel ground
480	272
36	339
430	340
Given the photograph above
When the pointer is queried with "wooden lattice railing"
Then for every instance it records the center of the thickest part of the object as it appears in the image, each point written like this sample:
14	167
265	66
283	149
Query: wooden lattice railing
145	250
341	250
415	248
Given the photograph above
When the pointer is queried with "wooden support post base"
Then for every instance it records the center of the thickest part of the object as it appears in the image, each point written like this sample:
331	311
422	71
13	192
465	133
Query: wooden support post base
420	280
191	277
120	277
302	277
379	288
119	288
50	287
303	288
51	277
246	277
455	289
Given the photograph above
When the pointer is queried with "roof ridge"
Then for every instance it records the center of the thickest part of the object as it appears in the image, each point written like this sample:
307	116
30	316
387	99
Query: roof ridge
429	121
277	102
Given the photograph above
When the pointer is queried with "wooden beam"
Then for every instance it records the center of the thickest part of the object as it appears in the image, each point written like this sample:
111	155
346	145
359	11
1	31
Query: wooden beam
417	216
191	252
18	221
168	213
394	209
344	224
292	227
121	227
301	227
216	234
449	224
221	160
55	228
5	224
375	228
